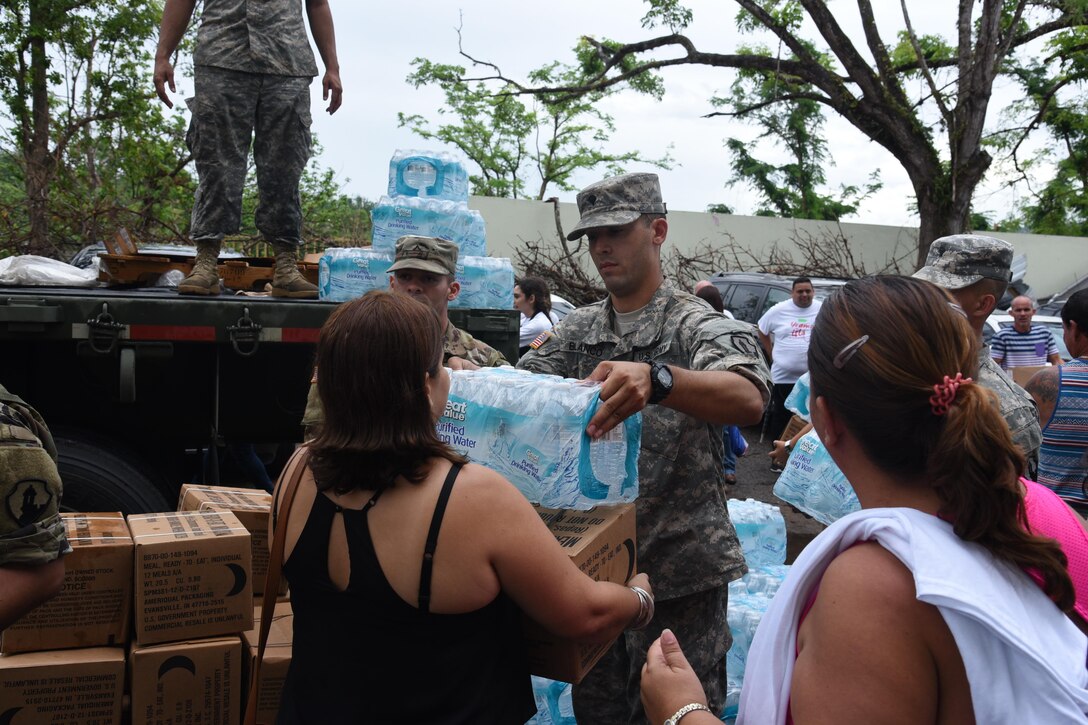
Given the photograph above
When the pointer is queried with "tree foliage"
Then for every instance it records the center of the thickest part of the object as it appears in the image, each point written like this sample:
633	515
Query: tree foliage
1054	101
792	188
90	147
925	100
507	141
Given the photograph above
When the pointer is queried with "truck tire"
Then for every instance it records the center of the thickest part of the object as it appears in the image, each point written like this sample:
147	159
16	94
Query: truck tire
99	474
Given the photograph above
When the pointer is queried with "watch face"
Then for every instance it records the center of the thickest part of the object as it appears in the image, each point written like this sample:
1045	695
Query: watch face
664	376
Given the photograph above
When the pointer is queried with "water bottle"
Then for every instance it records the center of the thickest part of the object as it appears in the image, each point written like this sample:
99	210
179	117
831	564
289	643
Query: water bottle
350	272
486	283
761	531
531	429
814	484
607	457
395	217
553	703
797	400
434	174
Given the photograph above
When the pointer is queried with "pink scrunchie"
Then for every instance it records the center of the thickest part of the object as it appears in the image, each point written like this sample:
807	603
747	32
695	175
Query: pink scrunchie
945	392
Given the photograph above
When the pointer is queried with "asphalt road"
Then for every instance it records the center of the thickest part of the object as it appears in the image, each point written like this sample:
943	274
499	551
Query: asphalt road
755	480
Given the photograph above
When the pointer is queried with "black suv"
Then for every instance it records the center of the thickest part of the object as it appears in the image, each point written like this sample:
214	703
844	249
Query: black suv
749	294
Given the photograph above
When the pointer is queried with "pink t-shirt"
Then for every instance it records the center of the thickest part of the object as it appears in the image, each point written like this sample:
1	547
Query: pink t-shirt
1051	517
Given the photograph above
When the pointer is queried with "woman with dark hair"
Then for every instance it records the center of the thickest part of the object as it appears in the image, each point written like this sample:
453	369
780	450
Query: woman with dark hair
710	294
409	567
531	298
919	607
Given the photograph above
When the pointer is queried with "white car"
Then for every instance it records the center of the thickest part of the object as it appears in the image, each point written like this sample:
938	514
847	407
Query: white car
999	321
560	307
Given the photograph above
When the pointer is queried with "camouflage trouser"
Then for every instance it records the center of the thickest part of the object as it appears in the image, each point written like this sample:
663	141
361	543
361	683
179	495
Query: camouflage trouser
609	695
229	110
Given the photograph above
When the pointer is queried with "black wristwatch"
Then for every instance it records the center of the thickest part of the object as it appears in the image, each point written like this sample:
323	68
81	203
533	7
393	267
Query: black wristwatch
661	380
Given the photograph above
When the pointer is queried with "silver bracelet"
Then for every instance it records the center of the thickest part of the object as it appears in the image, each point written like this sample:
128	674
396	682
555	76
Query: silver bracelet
684	711
645	608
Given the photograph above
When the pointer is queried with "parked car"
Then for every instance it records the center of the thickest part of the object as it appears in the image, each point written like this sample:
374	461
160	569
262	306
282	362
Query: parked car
749	294
560	307
999	321
1054	305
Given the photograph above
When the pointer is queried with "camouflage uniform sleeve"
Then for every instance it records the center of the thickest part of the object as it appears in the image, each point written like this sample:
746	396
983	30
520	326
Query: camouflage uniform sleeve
718	343
31	531
486	356
547	357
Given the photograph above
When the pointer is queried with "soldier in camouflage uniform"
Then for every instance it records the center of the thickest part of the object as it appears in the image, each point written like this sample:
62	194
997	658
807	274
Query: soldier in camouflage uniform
32	538
976	270
424	267
253	72
689	370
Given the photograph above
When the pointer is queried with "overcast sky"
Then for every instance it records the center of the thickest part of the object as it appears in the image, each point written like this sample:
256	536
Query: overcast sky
377	42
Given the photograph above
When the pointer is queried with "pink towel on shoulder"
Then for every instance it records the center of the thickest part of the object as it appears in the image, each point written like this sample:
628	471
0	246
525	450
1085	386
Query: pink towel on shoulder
1049	516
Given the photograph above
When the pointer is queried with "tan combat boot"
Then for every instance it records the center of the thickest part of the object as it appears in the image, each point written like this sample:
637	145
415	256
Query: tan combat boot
204	279
287	282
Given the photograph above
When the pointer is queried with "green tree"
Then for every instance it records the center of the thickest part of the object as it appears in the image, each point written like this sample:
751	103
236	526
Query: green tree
926	101
1054	101
506	140
793	188
72	85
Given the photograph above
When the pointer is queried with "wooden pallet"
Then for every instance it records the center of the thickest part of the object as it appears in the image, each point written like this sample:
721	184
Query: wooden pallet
124	266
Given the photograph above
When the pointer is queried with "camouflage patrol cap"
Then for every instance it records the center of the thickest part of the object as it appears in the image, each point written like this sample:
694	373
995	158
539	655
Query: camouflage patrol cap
617	201
960	260
427	254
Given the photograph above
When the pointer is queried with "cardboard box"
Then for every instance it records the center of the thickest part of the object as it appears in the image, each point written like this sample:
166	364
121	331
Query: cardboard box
193	575
1022	375
251	506
93	608
792	428
601	542
187	682
277	658
73	686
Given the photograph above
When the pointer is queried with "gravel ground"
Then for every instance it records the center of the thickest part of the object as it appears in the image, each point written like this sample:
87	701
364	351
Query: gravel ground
755	480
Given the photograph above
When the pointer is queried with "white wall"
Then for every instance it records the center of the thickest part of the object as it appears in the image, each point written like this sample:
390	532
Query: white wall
1053	262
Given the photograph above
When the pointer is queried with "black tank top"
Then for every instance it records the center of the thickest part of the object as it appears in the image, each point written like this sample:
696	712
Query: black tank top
364	655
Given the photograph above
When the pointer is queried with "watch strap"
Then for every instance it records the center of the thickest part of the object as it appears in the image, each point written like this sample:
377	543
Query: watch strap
658	392
691	707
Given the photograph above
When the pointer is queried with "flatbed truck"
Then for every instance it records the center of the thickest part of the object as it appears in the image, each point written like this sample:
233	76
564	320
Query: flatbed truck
136	383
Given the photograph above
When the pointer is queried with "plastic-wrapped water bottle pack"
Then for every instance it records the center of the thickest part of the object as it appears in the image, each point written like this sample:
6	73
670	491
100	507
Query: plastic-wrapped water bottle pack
531	429
749	598
797	400
486	282
553	703
395	217
427	174
350	272
814	484
761	530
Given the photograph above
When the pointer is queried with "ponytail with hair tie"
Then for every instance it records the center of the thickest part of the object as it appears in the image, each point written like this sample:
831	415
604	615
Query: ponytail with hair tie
944	393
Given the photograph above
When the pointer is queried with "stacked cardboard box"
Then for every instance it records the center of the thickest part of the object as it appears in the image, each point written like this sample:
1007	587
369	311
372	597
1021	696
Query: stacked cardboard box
187	682
252	507
74	686
601	542
277	658
93	607
193	575
53	669
193	598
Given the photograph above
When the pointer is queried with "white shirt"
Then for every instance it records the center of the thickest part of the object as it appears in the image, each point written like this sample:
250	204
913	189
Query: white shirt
789	328
531	327
1025	661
